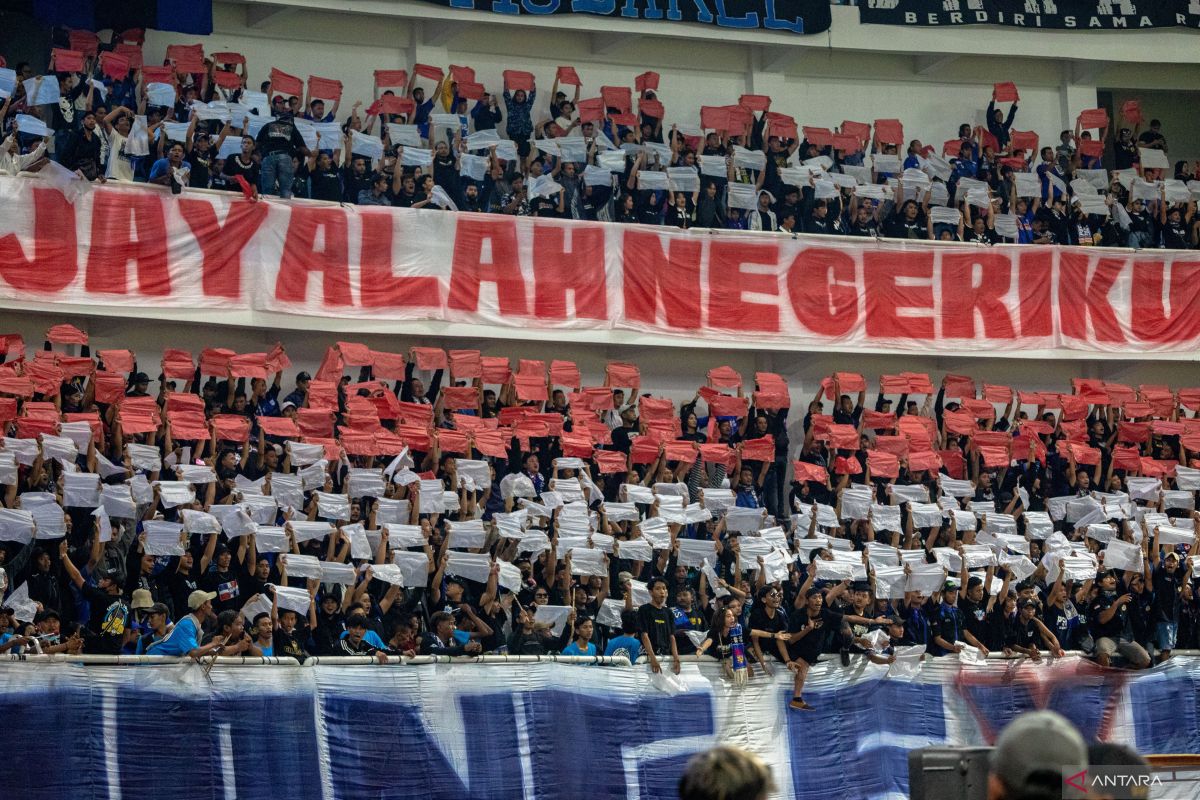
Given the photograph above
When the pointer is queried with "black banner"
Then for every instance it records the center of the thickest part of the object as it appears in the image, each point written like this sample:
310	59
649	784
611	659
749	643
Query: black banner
796	16
1089	15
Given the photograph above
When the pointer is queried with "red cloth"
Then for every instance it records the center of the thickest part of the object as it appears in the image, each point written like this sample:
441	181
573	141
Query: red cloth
64	60
116	360
878	420
883	465
248	365
465	364
761	449
516	79
609	461
821	137
569	76
110	387
850	382
618	97
591	110
896	445
959	423
215	361
1006	92
114	65
924	460
1132	111
430	358
622	375
531	388
232	427
842	437
1126	458
860	130
279	426
427	71
997	394
565	373
494	369
156	74
717	453
725	406
460	74
66	334
918	382
846	142
959	386
755	102
226	79
285	84
391	77
847	465
994	457
492	443
682	451
188	425
651	108
132	52
324	88
457	398
889	131
1093	118
178	364
470	90
1153	468
85	42
981	409
655	408
646	82
804	471
1023	140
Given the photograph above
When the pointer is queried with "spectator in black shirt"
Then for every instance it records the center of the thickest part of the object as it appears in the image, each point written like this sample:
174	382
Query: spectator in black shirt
277	143
1109	614
108	621
657	625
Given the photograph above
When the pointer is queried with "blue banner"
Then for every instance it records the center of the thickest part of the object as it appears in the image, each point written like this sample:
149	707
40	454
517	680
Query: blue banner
536	731
796	16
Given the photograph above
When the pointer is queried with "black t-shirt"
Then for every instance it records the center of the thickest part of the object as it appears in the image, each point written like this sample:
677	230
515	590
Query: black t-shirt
1025	634
108	620
1115	626
326	185
1166	595
179	586
290	644
809	648
201	167
759	621
1175	235
974	616
234	166
225	584
279	136
659	625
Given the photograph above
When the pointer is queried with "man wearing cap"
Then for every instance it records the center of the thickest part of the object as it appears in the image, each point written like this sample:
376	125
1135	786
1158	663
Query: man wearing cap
300	393
1034	756
108	622
1029	629
807	634
1171	586
139	384
184	638
1109	615
948	626
157	618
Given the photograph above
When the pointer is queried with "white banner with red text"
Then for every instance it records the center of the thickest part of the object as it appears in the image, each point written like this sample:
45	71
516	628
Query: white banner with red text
134	250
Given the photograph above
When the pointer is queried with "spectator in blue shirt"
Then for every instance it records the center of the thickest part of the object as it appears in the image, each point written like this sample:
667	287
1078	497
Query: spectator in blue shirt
582	644
627	644
184	638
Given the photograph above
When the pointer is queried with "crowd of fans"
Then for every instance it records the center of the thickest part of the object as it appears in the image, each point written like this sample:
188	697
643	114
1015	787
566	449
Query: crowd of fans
439	138
446	503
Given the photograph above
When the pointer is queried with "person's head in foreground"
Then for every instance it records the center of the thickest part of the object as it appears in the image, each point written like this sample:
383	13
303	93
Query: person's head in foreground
726	773
1033	756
